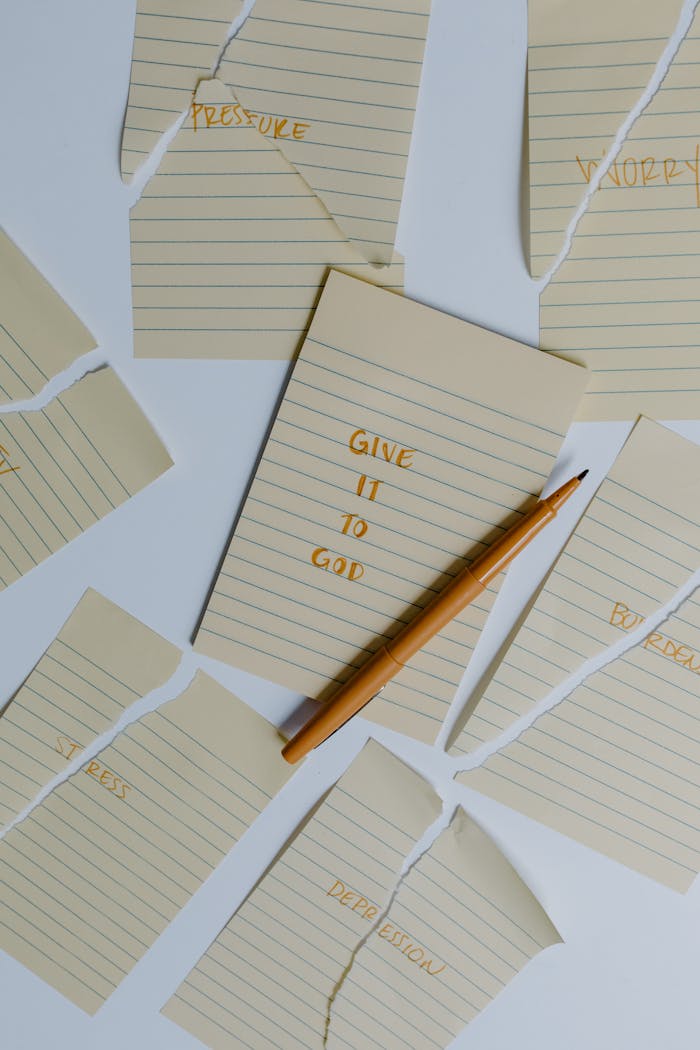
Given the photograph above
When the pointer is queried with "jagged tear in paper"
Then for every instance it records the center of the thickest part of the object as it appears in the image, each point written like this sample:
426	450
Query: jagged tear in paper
627	300
102	866
230	246
64	467
461	926
39	334
267	978
176	42
101	662
407	440
347	75
636	544
588	65
616	765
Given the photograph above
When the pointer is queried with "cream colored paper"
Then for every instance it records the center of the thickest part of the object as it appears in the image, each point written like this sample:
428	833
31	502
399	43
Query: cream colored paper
462	925
64	467
347	75
617	764
636	544
588	65
98	871
39	334
176	42
101	661
230	247
267	978
627	300
467	425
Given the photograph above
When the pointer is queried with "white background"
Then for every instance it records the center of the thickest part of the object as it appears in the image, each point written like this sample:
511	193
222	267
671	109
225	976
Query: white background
627	975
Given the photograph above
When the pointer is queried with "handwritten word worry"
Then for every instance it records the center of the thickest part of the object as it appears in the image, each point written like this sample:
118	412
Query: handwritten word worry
646	171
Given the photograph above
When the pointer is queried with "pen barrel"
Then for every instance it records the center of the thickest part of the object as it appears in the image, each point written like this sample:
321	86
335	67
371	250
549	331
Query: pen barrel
499	556
347	701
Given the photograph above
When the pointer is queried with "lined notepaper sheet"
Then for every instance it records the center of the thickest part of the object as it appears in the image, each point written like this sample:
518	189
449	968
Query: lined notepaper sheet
617	764
39	334
64	467
407	441
636	544
627	300
230	247
462	925
344	76
267	978
101	662
102	866
176	42
587	66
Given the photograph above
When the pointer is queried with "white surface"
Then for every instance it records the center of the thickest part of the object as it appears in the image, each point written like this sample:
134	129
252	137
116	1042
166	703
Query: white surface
626	976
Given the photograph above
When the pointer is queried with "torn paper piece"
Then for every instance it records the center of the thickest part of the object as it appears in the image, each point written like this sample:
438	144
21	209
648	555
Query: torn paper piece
616	765
101	662
230	247
39	334
335	87
389	467
636	544
176	42
102	866
461	926
268	977
64	467
627	300
588	65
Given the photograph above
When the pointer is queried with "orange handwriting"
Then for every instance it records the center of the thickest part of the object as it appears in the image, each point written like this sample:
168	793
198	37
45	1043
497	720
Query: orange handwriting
67	747
108	779
645	171
350	898
233	114
626	619
364	444
5	467
341	566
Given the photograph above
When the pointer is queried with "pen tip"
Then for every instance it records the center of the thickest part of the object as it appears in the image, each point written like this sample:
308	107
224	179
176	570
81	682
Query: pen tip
582	475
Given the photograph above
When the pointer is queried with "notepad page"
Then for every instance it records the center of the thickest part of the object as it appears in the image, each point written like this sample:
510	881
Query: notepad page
461	926
230	247
627	300
64	467
587	65
95	874
617	764
345	76
267	978
636	544
39	334
101	662
176	42
406	442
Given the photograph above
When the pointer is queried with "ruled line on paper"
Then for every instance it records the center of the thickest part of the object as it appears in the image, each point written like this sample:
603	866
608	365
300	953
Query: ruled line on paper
224	219
635	545
59	900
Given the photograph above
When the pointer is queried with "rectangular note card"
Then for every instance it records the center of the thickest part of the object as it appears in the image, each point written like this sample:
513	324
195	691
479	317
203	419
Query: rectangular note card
616	765
406	442
636	544
103	865
461	926
267	978
587	66
229	245
176	42
627	300
101	662
39	334
65	466
342	80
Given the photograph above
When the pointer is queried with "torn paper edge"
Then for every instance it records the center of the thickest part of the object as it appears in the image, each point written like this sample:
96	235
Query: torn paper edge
662	67
92	361
578	678
145	172
169	690
424	843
